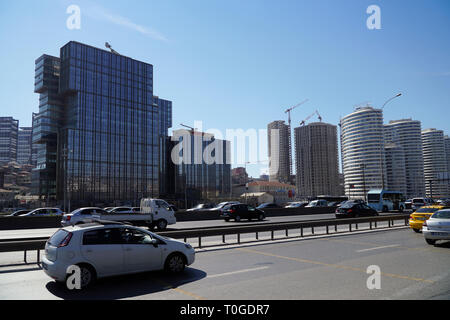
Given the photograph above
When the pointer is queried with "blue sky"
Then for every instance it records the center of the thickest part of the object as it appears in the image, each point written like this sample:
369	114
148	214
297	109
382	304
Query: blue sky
239	64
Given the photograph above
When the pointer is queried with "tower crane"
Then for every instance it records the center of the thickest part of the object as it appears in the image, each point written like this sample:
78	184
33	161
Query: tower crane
110	48
309	117
288	111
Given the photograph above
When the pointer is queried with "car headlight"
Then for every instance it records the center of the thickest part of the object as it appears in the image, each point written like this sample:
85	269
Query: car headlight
188	246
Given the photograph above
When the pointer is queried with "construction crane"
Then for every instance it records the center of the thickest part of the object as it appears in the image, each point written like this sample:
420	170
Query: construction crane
288	111
110	48
309	117
192	129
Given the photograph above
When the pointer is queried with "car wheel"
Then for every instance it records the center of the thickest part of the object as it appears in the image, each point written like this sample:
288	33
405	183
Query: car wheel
417	230
161	224
227	219
430	241
175	263
87	274
237	218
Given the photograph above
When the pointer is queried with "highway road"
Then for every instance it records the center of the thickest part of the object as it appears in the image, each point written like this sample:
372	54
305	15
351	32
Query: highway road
30	233
332	267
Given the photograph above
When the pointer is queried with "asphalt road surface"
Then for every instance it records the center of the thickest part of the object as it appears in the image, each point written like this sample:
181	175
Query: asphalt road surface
332	267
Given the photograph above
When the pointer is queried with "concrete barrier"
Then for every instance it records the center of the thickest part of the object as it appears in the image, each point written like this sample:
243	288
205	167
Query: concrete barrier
15	223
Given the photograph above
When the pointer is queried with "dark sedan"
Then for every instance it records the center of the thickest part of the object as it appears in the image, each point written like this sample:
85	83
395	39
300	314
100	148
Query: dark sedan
268	206
242	211
351	209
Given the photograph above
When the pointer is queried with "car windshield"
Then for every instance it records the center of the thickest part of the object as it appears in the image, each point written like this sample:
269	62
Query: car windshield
441	215
427	210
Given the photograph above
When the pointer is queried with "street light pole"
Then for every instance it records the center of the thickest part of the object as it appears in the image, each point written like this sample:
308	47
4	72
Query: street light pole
382	144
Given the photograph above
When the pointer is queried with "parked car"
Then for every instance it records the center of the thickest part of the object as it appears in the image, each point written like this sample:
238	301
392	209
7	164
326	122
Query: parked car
18	213
437	227
268	206
222	205
242	211
110	249
77	216
317	203
201	207
44	212
300	204
353	209
417	218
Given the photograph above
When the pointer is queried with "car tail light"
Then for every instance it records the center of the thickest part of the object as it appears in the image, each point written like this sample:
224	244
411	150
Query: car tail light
232	211
66	240
350	211
68	218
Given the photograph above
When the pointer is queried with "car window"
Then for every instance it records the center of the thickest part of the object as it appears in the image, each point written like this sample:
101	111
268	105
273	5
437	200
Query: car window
102	236
56	238
441	215
133	236
250	208
162	204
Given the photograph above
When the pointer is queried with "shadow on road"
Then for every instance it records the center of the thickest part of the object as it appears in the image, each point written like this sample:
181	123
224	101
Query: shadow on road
127	286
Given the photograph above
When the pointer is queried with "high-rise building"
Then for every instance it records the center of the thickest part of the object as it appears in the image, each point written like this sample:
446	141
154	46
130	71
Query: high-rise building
24	146
316	158
362	148
9	128
202	166
395	168
435	163
407	134
99	126
280	165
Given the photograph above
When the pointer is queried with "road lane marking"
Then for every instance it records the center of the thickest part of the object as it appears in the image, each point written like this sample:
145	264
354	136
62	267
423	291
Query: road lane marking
377	248
168	286
236	272
337	266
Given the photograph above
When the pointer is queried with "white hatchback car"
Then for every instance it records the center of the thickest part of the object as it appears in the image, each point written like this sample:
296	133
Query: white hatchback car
103	249
437	227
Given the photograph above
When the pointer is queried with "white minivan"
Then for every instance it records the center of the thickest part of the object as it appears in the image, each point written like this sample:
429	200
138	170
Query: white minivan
104	249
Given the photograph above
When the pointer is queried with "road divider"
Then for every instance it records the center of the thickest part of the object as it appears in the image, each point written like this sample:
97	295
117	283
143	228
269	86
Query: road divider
11	245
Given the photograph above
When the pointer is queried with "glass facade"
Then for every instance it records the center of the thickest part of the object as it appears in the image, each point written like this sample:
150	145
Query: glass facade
8	139
203	168
109	139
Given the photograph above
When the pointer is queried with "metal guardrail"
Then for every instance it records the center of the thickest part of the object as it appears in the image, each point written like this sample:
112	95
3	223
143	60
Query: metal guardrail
12	245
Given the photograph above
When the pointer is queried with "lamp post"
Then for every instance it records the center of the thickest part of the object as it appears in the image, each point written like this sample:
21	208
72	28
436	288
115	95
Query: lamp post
382	144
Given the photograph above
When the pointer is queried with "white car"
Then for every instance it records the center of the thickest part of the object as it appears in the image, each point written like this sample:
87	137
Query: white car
77	216
437	227
44	212
103	249
317	203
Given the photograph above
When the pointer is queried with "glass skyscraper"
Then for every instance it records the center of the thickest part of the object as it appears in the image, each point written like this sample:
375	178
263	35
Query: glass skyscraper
109	128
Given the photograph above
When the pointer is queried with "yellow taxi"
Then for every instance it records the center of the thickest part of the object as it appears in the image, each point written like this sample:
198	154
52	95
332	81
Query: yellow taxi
417	218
